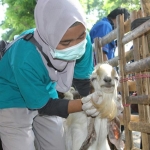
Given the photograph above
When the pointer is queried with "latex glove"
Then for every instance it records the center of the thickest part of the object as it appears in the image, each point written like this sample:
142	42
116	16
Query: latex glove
88	106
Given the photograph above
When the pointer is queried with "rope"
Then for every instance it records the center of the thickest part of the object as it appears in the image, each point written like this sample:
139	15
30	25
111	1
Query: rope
139	76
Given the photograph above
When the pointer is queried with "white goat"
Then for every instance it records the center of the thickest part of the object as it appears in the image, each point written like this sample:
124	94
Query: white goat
104	79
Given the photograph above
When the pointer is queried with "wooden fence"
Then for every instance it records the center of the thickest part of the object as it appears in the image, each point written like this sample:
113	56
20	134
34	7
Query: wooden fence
141	79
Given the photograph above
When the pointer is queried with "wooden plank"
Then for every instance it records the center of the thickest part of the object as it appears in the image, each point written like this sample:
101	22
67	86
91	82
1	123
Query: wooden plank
137	56
124	87
113	34
128	56
139	126
138	66
137	32
145	6
140	99
108	38
98	51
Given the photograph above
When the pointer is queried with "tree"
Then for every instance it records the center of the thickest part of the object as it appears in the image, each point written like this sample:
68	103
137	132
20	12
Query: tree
103	7
96	9
129	4
19	16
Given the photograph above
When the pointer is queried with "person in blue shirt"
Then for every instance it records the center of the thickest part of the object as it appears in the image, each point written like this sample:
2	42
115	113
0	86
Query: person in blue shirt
104	27
31	77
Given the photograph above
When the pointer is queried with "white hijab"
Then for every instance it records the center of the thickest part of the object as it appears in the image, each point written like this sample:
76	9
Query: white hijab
53	18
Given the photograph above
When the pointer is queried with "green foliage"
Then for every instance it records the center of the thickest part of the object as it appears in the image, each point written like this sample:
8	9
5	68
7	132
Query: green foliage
8	34
128	4
103	7
20	13
91	6
19	17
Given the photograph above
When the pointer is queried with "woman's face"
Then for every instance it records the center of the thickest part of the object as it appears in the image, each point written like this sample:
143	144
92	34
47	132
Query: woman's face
73	36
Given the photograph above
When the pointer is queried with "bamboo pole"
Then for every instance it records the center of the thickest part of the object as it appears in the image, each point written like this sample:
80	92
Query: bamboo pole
108	38
139	31
138	66
145	6
124	91
139	126
137	56
128	56
113	34
98	51
140	99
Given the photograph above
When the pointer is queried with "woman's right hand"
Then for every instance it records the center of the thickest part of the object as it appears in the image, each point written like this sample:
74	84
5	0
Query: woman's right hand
88	106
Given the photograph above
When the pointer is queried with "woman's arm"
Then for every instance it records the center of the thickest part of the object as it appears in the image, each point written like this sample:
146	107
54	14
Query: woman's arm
61	107
74	106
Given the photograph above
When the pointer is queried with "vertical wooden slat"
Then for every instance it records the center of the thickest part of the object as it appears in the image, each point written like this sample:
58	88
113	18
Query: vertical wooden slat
136	54
98	50
124	88
95	49
142	85
145	6
100	54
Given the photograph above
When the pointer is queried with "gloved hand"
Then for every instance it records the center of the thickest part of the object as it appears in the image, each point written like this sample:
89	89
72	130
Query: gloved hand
88	106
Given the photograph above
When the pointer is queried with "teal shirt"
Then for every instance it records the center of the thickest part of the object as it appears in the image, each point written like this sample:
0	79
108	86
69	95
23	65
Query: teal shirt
84	66
24	80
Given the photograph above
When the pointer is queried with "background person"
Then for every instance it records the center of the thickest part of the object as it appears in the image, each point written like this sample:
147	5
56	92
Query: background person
104	27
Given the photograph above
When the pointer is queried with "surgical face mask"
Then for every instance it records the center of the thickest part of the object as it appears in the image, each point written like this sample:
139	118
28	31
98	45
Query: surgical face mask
70	53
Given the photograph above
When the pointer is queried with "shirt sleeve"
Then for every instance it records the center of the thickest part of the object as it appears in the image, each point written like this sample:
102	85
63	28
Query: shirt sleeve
82	86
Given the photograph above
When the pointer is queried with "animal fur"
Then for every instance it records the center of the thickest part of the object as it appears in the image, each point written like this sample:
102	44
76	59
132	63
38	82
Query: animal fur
104	79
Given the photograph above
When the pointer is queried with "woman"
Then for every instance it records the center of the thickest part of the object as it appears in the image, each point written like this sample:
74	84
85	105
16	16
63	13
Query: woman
29	103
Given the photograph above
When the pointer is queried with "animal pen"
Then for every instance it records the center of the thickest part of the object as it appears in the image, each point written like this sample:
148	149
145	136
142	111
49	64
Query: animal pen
134	76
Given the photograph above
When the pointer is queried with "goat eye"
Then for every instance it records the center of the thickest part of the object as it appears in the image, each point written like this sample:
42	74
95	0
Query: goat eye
92	79
116	78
